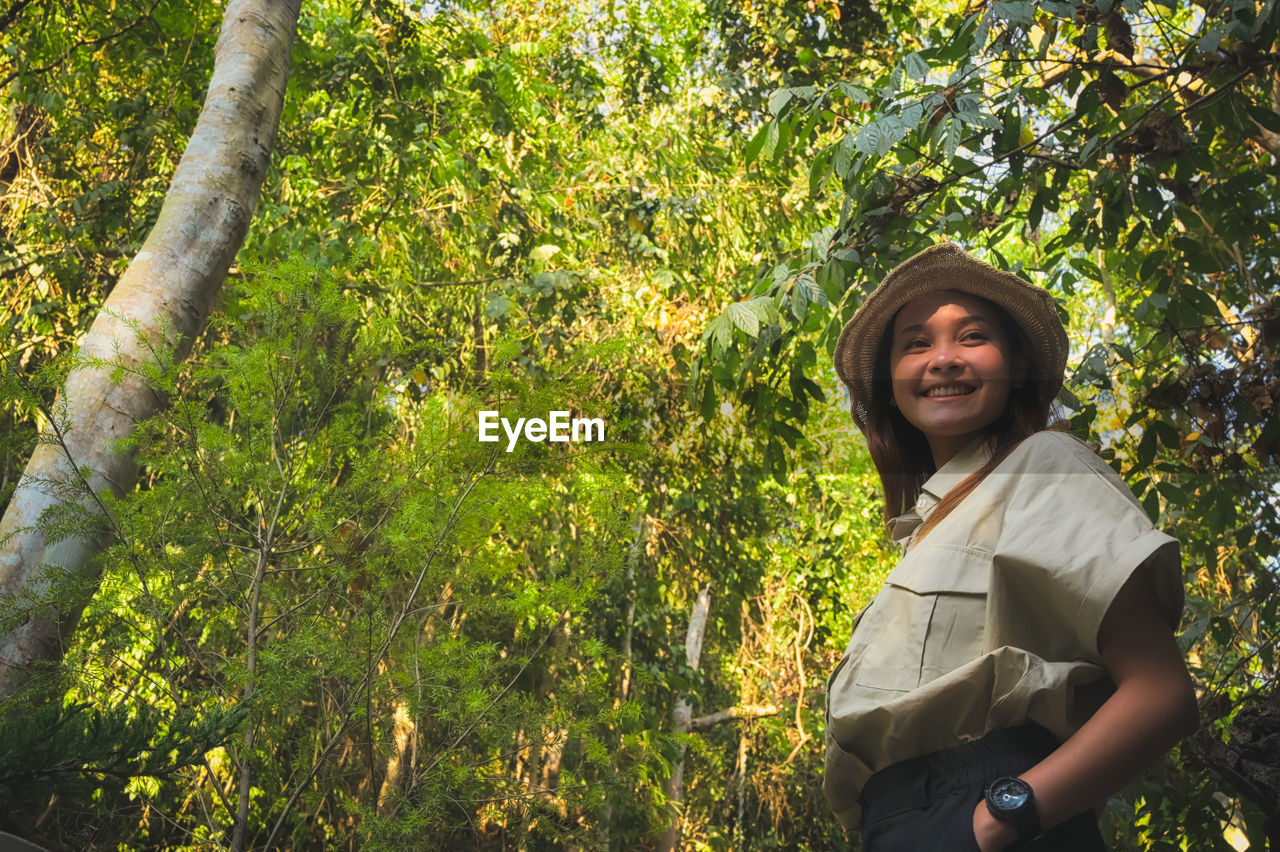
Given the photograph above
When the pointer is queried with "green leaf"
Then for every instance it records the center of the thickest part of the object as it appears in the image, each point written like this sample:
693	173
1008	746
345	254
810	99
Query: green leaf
911	116
831	279
1152	263
880	136
1020	14
778	148
852	92
789	433
1268	119
1146	452
951	142
811	387
1166	433
1147	197
1151	503
544	283
498	307
1086	267
778	101
1036	210
799	301
744	318
806	284
1199	299
844	155
764	307
771	133
820	170
1069	399
720	331
915	67
1062	10
757	142
777	459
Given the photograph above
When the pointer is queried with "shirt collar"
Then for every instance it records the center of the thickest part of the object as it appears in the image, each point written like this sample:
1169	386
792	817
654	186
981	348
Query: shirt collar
957	469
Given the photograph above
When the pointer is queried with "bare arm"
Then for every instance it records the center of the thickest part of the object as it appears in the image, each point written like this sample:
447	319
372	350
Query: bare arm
1154	706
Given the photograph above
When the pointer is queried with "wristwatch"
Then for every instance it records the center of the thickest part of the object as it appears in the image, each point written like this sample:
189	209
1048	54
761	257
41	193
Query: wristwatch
1012	801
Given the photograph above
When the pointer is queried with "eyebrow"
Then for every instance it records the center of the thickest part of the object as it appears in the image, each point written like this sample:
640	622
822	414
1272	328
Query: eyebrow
963	321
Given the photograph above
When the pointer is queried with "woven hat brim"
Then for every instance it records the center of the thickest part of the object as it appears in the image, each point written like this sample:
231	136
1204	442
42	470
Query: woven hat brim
946	266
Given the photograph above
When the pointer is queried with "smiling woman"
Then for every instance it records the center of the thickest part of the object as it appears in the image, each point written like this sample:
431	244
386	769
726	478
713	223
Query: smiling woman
951	366
1019	665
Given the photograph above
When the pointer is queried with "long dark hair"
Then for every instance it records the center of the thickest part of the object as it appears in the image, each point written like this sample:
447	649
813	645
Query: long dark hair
900	451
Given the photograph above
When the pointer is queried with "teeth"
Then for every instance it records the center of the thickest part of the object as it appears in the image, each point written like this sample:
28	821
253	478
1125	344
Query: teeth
949	390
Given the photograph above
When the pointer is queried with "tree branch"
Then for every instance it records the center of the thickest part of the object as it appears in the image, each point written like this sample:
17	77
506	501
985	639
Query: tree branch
733	714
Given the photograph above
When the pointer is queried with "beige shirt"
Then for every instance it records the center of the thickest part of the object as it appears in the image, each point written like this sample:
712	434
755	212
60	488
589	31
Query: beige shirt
992	619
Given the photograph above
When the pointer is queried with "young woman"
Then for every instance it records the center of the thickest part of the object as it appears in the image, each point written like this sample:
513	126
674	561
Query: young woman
1019	665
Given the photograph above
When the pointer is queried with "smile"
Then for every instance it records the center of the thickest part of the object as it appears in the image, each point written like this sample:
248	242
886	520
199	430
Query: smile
949	390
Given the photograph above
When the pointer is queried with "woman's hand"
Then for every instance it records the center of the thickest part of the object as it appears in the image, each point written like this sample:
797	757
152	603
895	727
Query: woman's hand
992	834
1153	706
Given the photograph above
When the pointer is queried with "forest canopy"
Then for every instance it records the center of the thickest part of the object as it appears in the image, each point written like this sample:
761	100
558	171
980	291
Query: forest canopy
322	613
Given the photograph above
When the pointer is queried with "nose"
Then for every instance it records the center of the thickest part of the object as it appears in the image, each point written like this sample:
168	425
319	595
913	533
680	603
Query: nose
945	357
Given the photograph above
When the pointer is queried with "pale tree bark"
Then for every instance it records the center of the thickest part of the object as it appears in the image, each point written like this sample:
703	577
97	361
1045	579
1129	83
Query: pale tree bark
683	712
162	300
736	713
685	723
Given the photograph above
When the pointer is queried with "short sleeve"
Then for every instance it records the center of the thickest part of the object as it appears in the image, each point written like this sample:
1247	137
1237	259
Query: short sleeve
1073	534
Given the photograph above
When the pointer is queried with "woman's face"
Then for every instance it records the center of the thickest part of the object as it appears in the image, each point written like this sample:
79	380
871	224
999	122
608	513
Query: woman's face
950	365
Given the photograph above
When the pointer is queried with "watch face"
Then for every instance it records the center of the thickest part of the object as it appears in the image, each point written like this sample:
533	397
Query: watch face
1009	794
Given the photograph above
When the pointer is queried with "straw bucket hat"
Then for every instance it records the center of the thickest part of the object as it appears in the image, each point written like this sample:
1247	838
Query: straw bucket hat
946	266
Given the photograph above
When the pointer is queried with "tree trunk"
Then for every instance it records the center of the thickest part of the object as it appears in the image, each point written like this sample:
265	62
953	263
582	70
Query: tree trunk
162	300
683	712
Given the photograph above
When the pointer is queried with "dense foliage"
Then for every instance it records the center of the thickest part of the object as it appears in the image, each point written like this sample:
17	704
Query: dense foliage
329	616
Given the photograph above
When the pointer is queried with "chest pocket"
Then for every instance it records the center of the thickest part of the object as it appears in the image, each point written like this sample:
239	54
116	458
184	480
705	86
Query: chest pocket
928	619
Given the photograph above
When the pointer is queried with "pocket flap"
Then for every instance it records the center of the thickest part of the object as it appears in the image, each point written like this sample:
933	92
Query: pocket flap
943	569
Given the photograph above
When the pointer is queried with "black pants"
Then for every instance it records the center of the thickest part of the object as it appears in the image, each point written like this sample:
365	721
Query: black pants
926	804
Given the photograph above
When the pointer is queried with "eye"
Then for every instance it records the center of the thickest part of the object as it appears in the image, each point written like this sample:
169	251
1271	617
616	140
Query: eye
915	343
973	335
